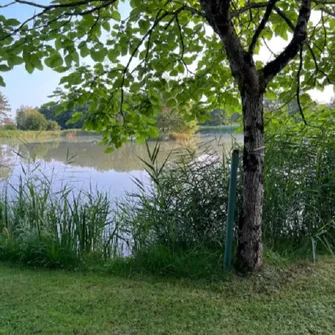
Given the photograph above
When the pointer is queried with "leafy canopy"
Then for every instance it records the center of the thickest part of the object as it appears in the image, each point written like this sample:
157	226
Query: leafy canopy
131	63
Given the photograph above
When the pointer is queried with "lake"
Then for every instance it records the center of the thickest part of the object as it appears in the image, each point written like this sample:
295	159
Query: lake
82	163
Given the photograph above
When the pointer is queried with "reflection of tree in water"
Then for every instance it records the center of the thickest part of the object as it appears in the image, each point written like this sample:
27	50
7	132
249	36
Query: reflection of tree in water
32	151
90	154
7	157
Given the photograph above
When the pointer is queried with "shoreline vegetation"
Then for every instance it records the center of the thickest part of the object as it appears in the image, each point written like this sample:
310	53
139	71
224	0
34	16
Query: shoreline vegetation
42	134
68	133
173	224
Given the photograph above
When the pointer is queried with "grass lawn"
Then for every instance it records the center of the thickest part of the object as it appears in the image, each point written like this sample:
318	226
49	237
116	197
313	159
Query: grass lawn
298	300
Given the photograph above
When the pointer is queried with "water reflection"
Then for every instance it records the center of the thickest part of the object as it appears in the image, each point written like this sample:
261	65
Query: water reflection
83	163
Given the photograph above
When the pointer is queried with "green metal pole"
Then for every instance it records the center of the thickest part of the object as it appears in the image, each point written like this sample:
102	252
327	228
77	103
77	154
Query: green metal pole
231	211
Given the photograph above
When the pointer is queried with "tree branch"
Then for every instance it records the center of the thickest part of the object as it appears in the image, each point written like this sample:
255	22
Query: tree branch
299	36
219	17
73	4
261	26
47	8
248	7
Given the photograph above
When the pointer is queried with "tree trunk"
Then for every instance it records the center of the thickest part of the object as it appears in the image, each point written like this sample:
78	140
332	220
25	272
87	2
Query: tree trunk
249	249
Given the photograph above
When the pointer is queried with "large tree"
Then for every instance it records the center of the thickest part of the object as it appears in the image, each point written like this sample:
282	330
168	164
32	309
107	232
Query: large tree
200	53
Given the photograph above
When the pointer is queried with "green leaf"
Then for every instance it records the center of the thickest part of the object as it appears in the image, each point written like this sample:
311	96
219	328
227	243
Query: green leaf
109	150
29	68
106	26
13	22
14	60
116	16
55	60
76	117
36	62
144	25
171	103
4	68
135	87
98	55
2	82
84	50
112	55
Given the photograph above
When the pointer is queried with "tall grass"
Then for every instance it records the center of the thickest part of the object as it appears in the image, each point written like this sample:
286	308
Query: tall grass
54	229
299	213
177	216
180	214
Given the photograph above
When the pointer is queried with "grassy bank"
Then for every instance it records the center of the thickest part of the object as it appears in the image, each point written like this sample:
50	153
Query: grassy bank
218	130
30	134
298	300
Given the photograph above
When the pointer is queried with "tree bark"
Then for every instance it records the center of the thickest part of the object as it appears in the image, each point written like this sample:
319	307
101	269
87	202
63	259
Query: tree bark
250	249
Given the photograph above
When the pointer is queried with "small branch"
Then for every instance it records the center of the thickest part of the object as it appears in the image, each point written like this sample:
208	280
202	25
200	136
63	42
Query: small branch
267	46
261	26
248	7
46	9
7	5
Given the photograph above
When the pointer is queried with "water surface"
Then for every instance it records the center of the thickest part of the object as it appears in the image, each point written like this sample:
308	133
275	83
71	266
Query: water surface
82	163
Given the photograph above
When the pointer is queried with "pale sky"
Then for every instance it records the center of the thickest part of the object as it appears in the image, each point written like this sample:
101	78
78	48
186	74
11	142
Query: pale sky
33	90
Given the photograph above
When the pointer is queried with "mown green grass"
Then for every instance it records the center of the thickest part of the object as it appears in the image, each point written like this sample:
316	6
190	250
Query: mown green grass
296	300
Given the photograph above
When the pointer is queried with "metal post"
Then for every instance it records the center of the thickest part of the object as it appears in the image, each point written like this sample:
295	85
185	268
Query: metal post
231	210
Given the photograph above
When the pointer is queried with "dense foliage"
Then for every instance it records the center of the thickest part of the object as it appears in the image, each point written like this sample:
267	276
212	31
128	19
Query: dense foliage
167	51
50	113
169	122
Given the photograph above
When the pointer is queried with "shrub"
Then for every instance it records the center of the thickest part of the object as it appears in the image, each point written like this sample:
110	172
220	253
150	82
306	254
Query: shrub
169	121
53	125
30	119
10	126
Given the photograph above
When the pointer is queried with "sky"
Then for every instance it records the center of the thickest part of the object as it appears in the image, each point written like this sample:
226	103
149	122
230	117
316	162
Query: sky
33	90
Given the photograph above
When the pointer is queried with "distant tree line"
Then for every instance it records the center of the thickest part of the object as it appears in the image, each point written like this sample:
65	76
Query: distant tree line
50	113
219	117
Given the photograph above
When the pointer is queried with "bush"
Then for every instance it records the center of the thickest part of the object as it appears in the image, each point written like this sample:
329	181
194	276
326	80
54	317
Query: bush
169	122
53	125
10	126
30	119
